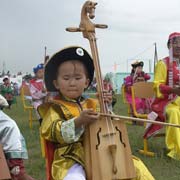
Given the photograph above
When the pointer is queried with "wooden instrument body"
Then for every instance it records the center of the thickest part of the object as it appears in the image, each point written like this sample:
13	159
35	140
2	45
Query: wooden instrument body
4	170
107	150
99	162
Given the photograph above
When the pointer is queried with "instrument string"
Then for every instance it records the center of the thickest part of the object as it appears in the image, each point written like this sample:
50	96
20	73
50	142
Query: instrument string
105	106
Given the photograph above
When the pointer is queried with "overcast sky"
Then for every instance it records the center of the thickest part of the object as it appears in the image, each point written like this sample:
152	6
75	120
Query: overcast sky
134	25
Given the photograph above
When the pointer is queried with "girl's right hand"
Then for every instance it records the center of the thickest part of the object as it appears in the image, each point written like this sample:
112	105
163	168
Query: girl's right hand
86	117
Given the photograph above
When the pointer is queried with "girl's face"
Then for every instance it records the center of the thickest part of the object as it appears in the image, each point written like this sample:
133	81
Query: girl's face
139	69
71	79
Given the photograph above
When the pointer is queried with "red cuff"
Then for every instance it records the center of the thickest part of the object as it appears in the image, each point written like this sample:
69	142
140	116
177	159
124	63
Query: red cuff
147	76
165	89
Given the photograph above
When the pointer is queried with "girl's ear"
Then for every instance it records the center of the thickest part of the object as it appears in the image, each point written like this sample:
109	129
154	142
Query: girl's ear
87	83
56	84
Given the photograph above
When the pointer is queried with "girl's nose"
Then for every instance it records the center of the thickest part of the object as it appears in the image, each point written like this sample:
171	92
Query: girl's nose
72	82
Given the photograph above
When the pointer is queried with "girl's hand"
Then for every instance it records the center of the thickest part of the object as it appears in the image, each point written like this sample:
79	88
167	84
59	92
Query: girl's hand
86	117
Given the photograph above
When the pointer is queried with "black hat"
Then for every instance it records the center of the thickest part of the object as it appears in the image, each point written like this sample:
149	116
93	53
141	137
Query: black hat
67	54
5	78
137	64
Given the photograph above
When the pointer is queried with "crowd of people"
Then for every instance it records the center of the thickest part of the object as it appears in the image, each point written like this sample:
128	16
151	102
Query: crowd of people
57	95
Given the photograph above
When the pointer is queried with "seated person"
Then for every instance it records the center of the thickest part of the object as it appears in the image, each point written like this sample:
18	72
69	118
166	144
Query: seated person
70	72
137	75
7	91
37	88
167	102
108	86
13	145
25	84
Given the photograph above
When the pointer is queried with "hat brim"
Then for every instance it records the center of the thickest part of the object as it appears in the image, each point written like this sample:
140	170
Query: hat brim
67	54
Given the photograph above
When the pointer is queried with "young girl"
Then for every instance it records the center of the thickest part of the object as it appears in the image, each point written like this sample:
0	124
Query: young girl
137	75
70	72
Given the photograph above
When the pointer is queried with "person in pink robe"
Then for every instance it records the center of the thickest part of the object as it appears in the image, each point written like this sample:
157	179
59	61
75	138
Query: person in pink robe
137	75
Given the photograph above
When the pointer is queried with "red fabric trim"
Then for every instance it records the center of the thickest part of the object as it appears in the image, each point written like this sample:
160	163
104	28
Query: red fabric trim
165	89
49	151
16	162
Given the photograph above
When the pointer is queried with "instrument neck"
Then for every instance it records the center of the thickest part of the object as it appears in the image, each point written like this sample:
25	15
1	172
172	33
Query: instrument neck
98	74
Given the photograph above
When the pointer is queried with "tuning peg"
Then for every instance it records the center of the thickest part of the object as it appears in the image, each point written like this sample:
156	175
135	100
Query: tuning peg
102	26
74	29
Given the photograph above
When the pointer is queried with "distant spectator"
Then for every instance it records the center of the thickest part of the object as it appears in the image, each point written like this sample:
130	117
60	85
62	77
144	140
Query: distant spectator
7	91
16	89
37	87
137	75
109	87
26	83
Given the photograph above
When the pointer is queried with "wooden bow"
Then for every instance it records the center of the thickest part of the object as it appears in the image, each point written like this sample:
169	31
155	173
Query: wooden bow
126	118
107	150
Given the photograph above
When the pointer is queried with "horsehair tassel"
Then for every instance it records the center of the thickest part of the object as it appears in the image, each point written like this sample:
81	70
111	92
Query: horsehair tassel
126	118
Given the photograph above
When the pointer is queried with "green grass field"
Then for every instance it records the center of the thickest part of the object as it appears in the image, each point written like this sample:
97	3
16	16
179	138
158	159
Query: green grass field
162	167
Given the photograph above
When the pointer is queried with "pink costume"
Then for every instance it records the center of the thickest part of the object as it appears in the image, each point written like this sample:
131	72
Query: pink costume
142	105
